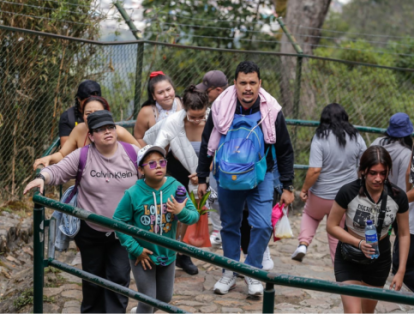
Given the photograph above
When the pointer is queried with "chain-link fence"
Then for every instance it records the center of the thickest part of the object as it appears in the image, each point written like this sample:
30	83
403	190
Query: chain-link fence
39	75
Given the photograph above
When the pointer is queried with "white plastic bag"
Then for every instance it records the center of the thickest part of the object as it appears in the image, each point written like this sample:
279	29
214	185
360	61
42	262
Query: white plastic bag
282	228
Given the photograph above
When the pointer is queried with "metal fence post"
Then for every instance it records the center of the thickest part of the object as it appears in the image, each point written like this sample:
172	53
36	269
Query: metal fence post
138	79
296	98
38	257
269	298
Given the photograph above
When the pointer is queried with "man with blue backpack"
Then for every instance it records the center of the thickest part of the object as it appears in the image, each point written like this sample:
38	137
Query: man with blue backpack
242	134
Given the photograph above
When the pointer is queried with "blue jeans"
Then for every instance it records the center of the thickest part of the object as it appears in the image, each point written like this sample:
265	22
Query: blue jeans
259	202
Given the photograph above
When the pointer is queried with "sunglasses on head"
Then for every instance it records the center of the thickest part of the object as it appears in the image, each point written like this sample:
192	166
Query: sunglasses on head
153	164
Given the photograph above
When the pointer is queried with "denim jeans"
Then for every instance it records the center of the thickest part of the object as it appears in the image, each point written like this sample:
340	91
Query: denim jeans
259	202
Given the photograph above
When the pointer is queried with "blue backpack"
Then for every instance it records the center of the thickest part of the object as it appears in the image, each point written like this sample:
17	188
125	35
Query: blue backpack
240	161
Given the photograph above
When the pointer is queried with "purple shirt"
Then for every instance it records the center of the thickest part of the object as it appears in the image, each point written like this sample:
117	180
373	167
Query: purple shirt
103	183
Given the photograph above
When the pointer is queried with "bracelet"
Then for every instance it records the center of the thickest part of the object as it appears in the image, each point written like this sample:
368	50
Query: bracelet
40	176
359	244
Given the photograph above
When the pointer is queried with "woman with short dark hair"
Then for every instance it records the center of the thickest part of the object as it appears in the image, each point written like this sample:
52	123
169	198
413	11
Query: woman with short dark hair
369	199
334	156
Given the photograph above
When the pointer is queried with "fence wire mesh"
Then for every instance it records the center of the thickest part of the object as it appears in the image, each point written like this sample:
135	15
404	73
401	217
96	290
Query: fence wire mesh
39	76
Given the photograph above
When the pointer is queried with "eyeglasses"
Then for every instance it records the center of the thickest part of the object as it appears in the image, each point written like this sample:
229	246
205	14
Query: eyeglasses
104	128
153	164
196	120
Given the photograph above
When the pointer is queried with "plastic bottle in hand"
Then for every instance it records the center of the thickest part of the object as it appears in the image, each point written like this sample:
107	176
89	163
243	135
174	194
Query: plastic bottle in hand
180	194
371	237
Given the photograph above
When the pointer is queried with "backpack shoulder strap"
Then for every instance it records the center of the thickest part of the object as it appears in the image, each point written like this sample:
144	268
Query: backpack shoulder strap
132	154
81	167
82	163
383	210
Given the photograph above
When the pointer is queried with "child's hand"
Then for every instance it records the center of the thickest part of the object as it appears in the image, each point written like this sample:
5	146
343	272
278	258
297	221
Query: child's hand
175	207
144	259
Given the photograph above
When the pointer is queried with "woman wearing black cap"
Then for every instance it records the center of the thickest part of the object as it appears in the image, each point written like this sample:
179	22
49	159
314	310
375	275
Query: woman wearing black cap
110	169
71	117
79	136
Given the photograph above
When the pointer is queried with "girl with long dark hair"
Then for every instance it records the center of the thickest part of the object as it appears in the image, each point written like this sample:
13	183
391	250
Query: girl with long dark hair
334	155
160	104
371	197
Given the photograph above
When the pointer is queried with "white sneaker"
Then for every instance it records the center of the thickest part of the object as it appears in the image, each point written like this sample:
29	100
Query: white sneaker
299	253
267	262
254	286
134	310
226	283
215	237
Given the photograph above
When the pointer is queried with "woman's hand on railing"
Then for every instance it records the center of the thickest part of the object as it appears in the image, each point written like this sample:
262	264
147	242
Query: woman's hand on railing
144	259
36	183
42	161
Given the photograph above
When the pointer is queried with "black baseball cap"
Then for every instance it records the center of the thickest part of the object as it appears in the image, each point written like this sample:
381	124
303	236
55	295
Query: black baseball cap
88	88
100	118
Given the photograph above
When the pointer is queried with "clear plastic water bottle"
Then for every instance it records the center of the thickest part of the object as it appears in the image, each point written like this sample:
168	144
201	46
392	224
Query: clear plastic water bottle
371	237
180	194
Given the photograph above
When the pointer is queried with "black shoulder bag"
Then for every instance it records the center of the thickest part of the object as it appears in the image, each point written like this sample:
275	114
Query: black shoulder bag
354	254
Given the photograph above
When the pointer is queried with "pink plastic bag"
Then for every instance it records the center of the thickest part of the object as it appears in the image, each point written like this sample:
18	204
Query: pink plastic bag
277	213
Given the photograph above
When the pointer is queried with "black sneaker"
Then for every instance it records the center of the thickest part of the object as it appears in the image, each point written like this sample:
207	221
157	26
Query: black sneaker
184	262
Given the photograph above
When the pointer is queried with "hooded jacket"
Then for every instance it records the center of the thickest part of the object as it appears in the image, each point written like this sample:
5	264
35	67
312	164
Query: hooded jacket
146	208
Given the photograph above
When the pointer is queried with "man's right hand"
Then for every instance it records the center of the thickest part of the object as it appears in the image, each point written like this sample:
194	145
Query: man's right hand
41	161
202	189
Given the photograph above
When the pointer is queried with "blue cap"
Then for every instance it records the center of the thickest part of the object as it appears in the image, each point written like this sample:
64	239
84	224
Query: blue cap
400	125
369	222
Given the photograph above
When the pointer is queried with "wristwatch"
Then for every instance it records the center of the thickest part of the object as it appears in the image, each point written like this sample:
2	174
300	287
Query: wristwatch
40	176
289	188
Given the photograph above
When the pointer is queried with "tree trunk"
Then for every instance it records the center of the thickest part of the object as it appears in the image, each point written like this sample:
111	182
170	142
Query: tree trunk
302	19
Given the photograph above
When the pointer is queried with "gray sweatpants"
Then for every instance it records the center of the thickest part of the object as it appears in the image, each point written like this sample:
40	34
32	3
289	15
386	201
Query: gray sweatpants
157	283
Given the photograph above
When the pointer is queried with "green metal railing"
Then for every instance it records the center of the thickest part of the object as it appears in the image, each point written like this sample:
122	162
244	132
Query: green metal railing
270	278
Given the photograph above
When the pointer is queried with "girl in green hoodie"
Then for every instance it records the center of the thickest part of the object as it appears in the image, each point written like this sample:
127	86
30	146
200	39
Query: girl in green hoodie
150	205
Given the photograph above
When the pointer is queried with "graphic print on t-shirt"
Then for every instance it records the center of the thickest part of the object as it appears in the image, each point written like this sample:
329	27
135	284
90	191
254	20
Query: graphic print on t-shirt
163	220
362	214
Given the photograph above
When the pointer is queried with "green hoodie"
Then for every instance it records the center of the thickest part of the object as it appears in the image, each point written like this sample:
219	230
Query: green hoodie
137	208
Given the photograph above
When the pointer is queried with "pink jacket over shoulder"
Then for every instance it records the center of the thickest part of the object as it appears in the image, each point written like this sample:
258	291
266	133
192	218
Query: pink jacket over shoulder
223	113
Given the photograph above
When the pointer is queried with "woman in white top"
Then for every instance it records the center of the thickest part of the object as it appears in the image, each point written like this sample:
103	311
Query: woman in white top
182	132
161	103
333	162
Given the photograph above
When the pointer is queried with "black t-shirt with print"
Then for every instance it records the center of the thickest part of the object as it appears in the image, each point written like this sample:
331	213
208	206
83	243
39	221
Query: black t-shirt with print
359	209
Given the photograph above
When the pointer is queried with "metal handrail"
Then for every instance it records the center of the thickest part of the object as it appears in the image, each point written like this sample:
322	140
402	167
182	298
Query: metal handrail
270	278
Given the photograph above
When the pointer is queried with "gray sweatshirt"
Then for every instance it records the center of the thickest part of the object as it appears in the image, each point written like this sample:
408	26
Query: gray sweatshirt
103	183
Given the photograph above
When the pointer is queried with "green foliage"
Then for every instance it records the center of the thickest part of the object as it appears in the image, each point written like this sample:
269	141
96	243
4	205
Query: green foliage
223	24
37	75
199	205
